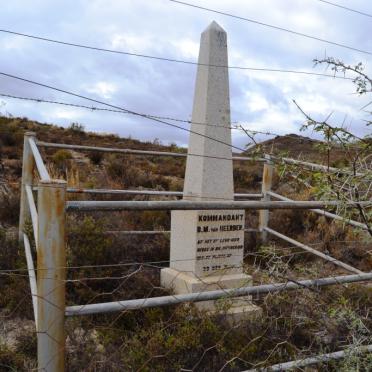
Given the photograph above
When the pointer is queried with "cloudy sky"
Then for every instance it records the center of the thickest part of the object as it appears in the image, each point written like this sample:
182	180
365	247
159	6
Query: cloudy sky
260	100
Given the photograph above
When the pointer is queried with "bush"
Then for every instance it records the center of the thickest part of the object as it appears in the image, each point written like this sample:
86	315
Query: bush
96	157
9	207
88	244
11	136
27	344
77	128
9	253
116	168
9	361
60	157
245	178
123	171
15	290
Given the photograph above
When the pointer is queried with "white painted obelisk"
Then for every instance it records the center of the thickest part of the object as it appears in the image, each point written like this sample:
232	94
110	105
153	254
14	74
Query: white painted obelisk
210	175
207	246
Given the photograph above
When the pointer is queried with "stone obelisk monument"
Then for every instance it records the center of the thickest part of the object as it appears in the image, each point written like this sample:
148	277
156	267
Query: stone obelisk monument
207	246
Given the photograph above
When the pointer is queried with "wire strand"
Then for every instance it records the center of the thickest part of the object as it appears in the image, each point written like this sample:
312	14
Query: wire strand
166	59
273	27
94	108
151	262
130	112
346	8
235	125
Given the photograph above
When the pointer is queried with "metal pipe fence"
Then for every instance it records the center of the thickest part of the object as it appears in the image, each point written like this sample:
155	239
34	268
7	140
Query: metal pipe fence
349	351
48	222
154	232
211	295
325	213
135	152
314	166
89	206
147	192
314	251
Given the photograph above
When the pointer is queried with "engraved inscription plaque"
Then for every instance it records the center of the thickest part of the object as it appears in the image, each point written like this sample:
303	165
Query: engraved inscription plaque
220	242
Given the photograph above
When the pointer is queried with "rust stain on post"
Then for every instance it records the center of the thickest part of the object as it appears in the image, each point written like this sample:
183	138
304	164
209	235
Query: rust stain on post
267	178
51	262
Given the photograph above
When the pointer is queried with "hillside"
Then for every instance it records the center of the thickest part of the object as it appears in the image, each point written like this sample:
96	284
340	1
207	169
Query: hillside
300	147
106	266
88	169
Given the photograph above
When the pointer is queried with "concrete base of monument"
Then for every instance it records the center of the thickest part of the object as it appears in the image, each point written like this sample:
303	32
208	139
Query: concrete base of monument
234	308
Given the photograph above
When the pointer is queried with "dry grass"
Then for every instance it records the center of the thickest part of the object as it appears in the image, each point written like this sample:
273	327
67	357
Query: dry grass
292	325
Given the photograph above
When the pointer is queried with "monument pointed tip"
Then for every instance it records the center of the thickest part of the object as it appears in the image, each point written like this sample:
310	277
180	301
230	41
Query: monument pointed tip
214	26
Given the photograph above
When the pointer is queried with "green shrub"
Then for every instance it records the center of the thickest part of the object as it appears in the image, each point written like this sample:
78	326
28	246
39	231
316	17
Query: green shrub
11	134
87	242
60	157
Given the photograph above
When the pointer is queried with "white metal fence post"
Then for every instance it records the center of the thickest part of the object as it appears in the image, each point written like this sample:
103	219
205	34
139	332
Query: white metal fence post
27	171
51	275
267	179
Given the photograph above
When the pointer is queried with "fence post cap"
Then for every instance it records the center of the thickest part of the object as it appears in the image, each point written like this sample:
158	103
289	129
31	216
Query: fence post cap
30	134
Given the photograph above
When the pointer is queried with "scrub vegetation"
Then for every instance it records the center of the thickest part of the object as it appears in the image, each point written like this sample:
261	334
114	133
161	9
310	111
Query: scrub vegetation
112	266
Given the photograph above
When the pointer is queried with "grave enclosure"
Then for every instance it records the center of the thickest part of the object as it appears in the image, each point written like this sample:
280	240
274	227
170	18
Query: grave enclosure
207	226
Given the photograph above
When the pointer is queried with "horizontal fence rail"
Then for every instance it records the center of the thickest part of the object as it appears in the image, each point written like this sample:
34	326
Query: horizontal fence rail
313	251
81	206
314	166
137	232
211	295
324	213
133	151
350	351
146	192
125	192
151	232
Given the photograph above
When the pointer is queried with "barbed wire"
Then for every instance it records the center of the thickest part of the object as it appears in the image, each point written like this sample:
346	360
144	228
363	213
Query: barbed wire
146	116
236	125
124	110
94	108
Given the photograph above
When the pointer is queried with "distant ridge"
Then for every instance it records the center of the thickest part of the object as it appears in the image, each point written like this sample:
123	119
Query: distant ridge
297	146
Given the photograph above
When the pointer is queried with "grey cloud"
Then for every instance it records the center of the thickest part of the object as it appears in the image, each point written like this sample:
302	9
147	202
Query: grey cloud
162	88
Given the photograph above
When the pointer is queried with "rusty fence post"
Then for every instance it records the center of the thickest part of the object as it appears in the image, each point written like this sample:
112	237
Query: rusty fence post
267	179
51	275
27	177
